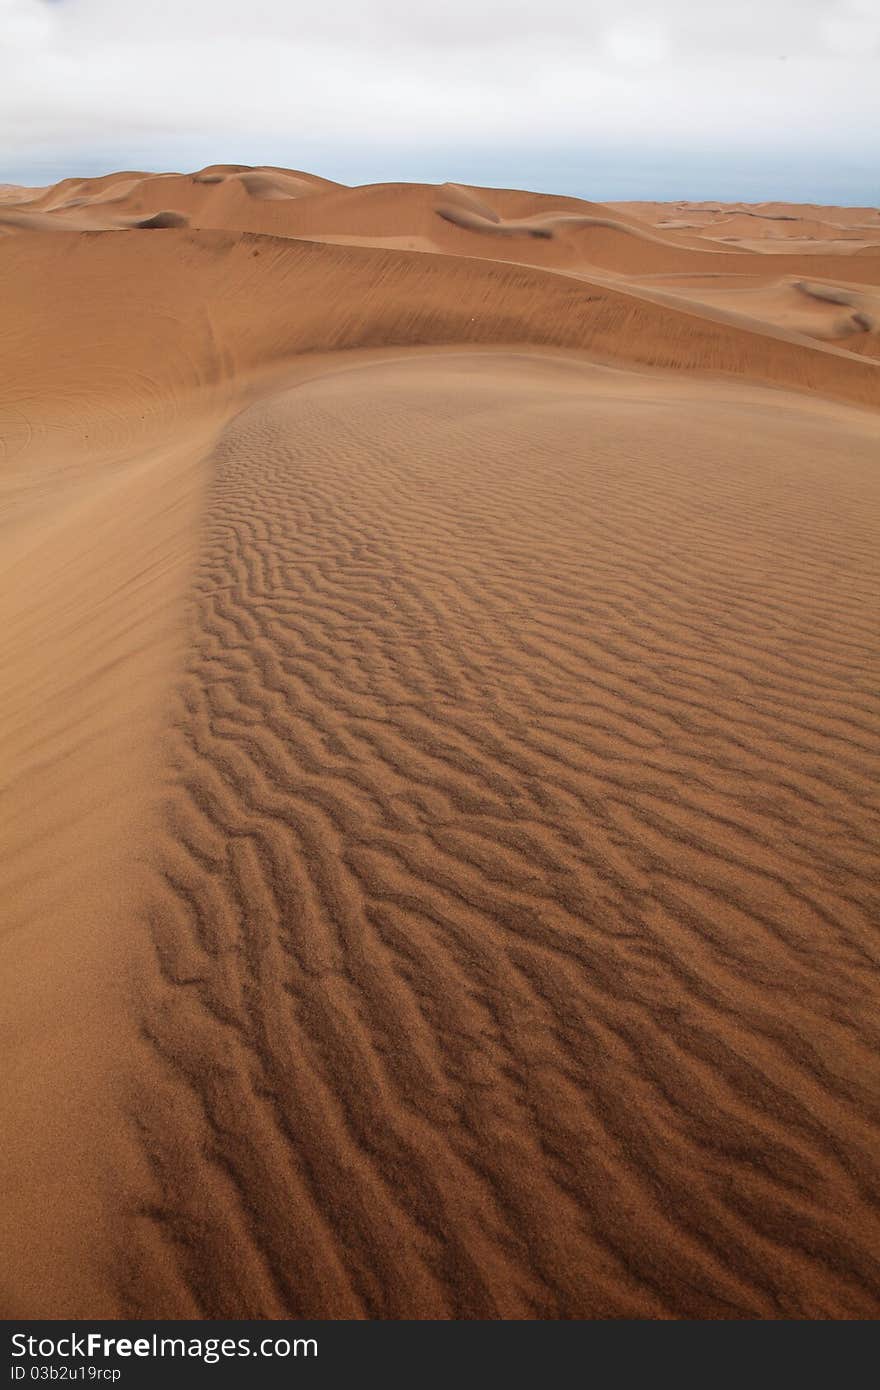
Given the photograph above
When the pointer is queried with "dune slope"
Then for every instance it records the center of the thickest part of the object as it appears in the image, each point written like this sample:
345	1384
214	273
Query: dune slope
513	944
440	748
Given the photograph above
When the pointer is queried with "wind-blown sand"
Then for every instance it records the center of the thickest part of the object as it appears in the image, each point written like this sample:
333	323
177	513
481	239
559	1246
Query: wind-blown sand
439	744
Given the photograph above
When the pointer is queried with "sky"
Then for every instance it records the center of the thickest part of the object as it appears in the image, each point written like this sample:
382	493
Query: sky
750	99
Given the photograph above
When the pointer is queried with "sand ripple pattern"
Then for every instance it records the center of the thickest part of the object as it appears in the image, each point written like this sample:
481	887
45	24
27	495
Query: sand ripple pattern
513	916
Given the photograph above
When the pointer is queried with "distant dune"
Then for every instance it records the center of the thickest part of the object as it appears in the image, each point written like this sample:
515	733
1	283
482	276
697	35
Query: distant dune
440	742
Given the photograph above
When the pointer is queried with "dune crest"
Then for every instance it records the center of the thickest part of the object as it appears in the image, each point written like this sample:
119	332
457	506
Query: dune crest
167	217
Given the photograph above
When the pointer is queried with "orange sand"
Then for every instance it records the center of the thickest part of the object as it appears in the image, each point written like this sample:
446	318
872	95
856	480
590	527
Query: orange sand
439	747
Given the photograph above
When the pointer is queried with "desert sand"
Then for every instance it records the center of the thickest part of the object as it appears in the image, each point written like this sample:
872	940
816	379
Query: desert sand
439	753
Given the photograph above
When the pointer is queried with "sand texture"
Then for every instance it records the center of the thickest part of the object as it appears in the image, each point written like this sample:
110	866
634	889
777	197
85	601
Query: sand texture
439	750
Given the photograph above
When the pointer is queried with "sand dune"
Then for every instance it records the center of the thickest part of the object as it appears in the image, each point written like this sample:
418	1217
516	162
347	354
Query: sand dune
167	217
836	294
494	225
440	742
780	228
545	225
772	214
807	308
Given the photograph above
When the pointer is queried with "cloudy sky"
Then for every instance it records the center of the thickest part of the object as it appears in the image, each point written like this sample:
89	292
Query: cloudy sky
623	98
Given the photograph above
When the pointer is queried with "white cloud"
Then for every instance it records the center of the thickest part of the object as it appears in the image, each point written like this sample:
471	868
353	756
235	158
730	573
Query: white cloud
636	43
854	30
23	26
737	75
